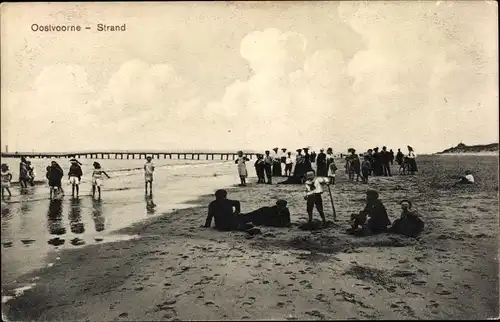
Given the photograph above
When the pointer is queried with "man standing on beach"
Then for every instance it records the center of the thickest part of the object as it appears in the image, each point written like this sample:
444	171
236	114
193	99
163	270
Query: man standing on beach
268	166
149	168
385	157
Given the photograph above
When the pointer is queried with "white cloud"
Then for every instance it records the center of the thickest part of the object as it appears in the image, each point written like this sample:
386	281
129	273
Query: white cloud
427	76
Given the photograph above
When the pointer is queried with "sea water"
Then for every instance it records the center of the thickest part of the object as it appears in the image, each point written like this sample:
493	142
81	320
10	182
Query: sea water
34	229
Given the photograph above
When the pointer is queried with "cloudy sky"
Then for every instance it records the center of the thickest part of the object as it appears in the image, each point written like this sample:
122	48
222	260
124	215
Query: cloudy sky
250	75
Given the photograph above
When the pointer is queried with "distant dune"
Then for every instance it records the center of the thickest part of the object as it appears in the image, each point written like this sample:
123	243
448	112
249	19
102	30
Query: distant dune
472	149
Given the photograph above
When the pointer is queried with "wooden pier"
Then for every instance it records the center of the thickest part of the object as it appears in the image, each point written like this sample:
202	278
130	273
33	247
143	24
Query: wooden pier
182	155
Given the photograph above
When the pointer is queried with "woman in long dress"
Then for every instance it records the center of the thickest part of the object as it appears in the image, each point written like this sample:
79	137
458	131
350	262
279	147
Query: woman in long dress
412	163
242	168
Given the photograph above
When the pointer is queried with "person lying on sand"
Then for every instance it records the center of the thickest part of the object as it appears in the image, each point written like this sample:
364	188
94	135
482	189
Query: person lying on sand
468	178
375	211
409	225
275	216
226	214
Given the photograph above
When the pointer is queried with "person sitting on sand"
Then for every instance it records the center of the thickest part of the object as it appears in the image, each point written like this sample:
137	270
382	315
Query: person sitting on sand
313	197
223	211
375	211
275	216
410	224
226	214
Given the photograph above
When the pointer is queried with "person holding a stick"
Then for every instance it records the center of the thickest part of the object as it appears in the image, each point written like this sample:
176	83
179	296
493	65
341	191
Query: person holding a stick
313	197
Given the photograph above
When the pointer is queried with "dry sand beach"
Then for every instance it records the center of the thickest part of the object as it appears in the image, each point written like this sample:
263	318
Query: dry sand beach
176	270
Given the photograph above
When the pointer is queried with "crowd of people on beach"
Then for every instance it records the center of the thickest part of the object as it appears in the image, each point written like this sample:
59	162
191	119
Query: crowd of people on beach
311	169
372	220
358	166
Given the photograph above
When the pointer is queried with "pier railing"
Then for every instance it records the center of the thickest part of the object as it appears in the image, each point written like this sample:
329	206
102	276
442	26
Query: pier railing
177	155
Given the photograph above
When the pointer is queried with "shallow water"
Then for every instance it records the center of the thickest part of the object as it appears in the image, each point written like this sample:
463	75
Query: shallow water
34	228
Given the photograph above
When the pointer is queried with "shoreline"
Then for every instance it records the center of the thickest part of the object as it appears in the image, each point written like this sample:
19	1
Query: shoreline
176	270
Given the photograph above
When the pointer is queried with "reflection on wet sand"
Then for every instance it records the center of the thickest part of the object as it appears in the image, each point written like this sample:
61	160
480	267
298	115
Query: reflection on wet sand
55	218
75	217
99	220
150	205
25	197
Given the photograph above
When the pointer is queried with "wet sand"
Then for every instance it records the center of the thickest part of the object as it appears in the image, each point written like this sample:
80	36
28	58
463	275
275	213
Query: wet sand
177	270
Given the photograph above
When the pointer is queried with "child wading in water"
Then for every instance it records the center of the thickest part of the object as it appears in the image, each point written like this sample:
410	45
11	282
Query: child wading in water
75	176
6	179
97	179
149	168
313	197
242	168
54	175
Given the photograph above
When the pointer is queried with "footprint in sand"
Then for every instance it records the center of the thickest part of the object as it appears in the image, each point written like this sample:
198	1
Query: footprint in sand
316	314
419	282
123	315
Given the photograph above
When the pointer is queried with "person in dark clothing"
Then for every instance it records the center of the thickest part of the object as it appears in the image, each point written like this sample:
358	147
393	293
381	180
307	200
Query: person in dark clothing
275	216
377	163
391	153
307	161
399	157
54	175
313	156
268	167
226	214
375	211
365	169
369	153
307	156
386	161
260	168
276	164
299	171
223	211
353	165
409	225
322	167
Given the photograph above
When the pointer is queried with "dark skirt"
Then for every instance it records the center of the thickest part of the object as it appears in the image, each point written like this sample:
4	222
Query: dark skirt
277	169
55	182
412	165
322	170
